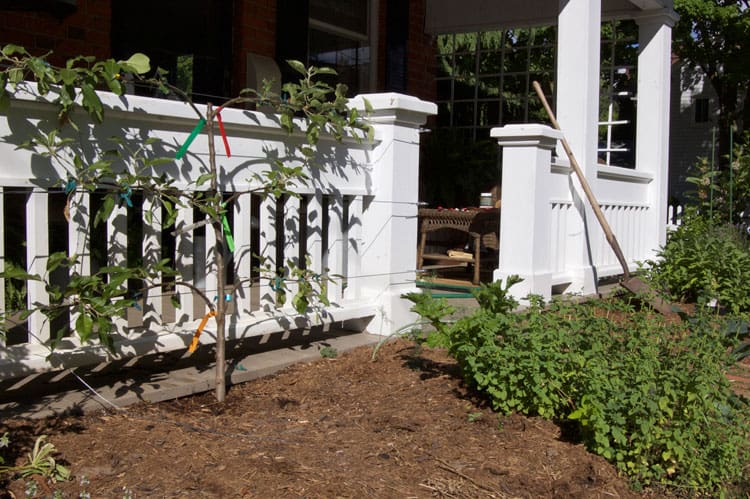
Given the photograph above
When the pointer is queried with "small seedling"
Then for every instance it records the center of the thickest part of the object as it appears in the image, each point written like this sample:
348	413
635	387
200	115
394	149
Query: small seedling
41	462
329	352
474	416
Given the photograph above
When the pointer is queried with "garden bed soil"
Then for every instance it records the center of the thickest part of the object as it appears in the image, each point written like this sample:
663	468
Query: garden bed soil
402	426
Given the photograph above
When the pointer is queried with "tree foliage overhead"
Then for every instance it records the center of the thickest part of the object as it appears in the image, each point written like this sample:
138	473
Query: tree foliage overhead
715	35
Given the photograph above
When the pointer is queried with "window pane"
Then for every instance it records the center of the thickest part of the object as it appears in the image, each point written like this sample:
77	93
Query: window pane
542	59
445	44
513	108
490	62
488	87
444	89
349	14
445	65
463	114
488	114
491	40
466	42
346	56
546	37
515	85
444	114
515	60
464	88
465	64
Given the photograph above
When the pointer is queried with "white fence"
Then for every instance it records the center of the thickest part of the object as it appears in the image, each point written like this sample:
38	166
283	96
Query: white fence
356	219
548	233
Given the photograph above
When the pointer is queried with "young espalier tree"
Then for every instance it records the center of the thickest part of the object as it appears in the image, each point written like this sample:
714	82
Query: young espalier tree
99	299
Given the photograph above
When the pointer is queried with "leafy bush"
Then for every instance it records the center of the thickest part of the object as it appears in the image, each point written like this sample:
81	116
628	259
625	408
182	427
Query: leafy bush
650	396
704	259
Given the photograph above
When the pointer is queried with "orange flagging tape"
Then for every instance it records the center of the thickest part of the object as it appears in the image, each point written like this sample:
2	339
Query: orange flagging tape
194	343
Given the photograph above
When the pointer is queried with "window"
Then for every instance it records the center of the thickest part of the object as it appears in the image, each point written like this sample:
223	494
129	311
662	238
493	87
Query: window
338	38
195	46
484	79
701	110
617	94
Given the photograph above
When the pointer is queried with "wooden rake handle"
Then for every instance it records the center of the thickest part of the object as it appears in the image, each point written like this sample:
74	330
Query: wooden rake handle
611	239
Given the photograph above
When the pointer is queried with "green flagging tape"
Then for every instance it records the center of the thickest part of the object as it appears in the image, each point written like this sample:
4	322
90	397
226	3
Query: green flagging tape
190	139
227	233
439	285
451	295
451	290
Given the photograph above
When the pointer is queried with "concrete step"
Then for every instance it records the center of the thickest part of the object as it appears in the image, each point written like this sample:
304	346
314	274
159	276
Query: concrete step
165	376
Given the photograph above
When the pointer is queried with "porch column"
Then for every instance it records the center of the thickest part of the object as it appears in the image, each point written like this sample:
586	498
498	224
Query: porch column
652	126
578	74
389	215
525	246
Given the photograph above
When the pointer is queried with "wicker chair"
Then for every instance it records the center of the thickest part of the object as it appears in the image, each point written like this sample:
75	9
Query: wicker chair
480	225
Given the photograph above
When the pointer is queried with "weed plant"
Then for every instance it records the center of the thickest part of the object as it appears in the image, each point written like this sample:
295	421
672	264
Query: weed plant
649	395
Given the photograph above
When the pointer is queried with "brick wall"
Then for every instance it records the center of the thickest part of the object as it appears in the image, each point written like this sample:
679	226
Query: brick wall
421	55
254	31
85	32
421	65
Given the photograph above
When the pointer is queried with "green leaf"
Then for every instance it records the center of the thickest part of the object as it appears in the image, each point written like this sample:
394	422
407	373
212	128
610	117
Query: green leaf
368	106
84	325
326	71
137	63
108	204
91	101
287	122
297	66
68	76
11	49
300	303
55	260
18	273
15	76
202	179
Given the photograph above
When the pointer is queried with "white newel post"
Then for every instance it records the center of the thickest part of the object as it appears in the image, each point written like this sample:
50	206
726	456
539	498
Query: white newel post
389	217
525	244
578	41
652	127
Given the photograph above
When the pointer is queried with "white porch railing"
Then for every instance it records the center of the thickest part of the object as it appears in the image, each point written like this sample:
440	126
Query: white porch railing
548	233
356	219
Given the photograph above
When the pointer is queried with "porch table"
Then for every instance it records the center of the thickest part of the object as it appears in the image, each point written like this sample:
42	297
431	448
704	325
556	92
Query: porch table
481	225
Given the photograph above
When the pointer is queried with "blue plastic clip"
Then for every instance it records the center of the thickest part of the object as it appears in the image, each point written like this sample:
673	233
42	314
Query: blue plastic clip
126	197
277	284
70	186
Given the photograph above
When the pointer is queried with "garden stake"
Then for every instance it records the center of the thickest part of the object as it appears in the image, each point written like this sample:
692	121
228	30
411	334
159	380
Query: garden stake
632	284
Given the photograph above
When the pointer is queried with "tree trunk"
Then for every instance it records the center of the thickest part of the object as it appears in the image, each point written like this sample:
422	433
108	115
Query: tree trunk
221	304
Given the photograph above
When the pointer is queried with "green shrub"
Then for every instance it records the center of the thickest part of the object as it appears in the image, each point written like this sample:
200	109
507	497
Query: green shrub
704	259
650	396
